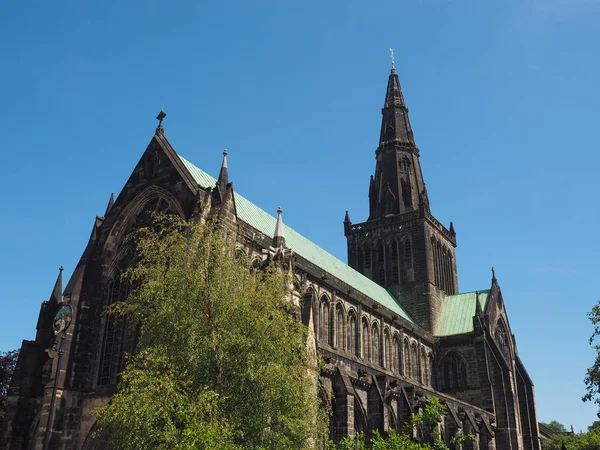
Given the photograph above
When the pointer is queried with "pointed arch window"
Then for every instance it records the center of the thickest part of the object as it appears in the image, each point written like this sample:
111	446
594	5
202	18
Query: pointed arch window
407	259
367	255
453	373
376	355
414	363
388	206
406	193
351	346
405	165
395	275
340	328
380	264
397	350
387	350
118	338
324	320
365	353
406	361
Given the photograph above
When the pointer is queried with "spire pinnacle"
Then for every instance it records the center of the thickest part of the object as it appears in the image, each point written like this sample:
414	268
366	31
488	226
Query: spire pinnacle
224	173
56	296
393	60
159	129
494	280
279	235
111	202
395	125
347	218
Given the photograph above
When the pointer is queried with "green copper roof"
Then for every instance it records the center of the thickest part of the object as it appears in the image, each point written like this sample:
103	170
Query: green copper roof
265	223
458	312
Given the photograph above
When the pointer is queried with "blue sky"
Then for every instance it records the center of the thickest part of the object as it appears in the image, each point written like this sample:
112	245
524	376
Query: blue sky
503	99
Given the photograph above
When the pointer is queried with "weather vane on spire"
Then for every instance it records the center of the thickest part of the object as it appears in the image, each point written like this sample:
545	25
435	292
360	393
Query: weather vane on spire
393	60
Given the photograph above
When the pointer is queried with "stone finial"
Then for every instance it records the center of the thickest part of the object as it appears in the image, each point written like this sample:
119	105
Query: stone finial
279	235
56	296
494	280
111	202
224	173
159	129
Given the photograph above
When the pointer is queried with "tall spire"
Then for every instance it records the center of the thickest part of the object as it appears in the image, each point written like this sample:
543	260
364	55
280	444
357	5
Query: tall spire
279	235
56	296
223	174
398	185
395	124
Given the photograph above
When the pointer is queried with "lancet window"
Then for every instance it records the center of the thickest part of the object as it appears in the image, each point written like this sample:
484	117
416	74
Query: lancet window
380	264
453	374
376	355
351	332
324	321
395	272
365	349
118	338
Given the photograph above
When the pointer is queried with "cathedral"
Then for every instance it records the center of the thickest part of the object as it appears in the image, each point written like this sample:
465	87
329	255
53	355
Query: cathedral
391	326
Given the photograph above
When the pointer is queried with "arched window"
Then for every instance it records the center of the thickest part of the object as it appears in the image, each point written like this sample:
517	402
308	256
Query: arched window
380	264
414	360
117	338
351	332
367	255
388	206
435	257
406	360
395	275
365	353
324	321
407	257
397	350
340	328
406	193
453	372
405	165
387	350
375	345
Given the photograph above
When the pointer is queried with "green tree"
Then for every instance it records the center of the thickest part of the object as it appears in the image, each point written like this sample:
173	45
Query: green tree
8	363
426	422
592	377
579	441
555	426
221	362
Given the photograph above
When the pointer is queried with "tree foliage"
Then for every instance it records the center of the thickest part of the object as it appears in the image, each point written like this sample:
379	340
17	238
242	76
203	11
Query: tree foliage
555	426
576	441
221	362
426	422
8	363
592	377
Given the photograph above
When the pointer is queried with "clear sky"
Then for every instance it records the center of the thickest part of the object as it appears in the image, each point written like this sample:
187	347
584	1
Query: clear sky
503	99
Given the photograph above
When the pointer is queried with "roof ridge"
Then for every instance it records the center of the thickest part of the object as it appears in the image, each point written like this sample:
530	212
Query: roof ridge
481	291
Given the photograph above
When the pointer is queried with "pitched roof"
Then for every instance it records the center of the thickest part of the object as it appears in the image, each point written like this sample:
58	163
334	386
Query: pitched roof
458	312
265	223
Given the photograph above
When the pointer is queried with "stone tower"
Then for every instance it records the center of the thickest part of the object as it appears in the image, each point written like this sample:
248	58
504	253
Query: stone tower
402	246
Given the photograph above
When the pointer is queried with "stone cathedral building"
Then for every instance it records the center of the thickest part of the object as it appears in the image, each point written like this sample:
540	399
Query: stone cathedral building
391	325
